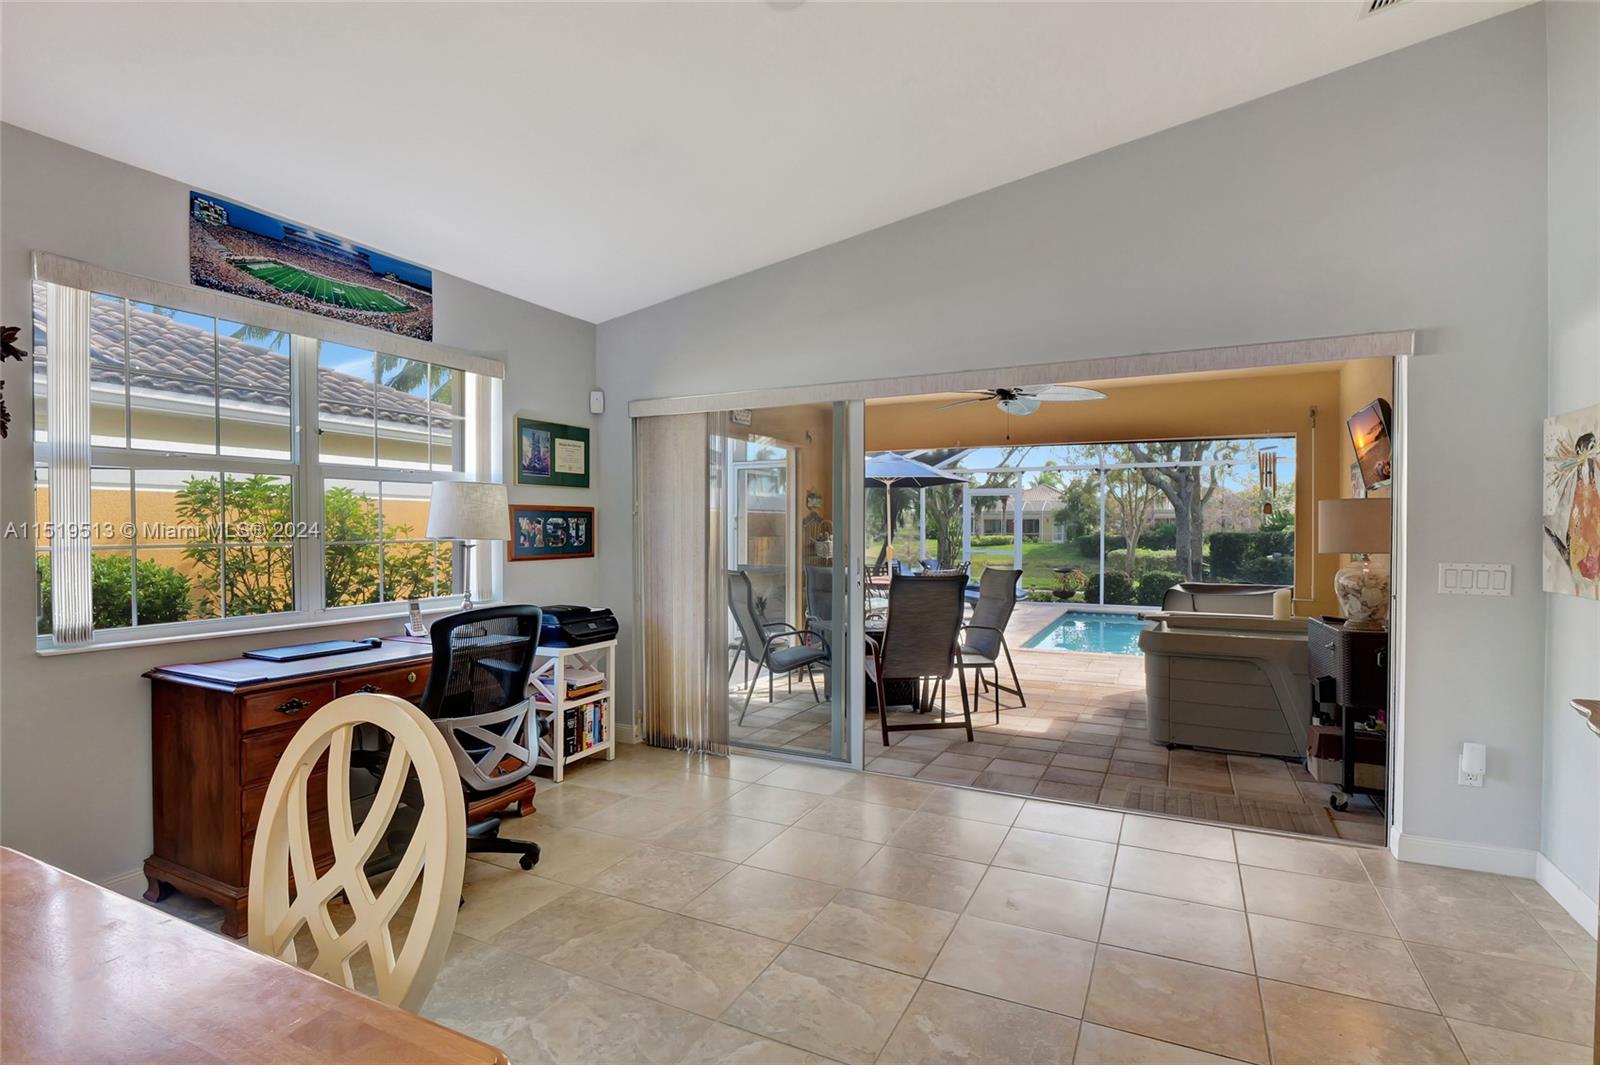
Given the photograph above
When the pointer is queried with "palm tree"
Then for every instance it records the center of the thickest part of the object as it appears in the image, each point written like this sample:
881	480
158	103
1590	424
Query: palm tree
408	375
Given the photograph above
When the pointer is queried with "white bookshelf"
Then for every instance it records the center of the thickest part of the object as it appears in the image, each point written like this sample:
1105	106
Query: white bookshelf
548	687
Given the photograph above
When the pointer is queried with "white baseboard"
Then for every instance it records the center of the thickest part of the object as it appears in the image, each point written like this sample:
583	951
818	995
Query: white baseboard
1565	890
131	883
1484	857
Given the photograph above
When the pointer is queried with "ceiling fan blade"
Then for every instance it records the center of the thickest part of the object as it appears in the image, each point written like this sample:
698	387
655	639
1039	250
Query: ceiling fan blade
1064	394
977	398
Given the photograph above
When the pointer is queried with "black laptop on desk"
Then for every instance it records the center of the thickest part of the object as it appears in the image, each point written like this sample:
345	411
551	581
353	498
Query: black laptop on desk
321	649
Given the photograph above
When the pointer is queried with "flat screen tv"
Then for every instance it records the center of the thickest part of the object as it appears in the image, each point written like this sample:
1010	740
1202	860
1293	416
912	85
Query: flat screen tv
1369	432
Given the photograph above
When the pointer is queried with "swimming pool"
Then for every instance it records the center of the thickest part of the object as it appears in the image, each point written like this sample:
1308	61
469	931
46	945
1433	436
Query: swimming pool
1083	630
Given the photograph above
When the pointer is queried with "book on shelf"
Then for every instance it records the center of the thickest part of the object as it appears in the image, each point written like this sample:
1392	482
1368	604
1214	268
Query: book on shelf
583	727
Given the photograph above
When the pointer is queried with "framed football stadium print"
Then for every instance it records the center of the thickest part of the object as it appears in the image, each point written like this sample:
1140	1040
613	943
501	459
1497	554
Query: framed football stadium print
551	454
539	531
235	249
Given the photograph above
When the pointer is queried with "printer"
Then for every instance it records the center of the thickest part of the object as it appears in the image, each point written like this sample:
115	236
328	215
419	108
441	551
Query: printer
565	625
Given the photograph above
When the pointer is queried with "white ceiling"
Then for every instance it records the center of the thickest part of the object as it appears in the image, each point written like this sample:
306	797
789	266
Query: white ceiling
597	158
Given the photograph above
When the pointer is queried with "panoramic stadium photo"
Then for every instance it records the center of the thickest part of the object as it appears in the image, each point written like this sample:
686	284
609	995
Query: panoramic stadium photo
248	253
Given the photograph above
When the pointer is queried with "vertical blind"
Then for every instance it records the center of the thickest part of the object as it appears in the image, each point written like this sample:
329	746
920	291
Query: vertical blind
69	458
678	477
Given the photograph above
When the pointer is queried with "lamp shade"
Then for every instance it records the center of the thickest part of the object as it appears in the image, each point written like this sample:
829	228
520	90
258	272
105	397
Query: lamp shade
1353	526
468	510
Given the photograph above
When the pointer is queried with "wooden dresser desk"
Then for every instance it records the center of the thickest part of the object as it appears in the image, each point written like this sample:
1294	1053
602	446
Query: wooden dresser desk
217	730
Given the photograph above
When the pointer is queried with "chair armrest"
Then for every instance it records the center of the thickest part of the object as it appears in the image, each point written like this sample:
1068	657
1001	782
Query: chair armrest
874	646
778	631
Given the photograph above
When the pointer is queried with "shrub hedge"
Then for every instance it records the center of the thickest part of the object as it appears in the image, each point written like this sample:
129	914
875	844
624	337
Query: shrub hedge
1230	551
1153	586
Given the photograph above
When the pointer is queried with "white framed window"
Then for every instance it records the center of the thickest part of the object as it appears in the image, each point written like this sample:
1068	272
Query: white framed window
199	472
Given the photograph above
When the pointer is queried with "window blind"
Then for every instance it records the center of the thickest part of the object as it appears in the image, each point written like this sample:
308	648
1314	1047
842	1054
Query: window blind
69	457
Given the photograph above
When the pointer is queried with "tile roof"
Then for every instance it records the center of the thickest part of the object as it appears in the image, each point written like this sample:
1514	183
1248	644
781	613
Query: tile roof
170	356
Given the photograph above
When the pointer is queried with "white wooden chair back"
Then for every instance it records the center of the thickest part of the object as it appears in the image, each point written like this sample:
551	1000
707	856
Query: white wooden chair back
436	854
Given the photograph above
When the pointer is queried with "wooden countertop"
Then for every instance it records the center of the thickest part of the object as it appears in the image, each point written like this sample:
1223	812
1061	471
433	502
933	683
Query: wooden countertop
93	976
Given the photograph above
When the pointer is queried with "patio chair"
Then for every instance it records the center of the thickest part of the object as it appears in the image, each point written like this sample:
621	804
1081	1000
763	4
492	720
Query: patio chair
983	638
774	659
764	611
920	644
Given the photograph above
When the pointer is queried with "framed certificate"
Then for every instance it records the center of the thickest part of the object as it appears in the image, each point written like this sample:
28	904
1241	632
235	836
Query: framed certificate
548	453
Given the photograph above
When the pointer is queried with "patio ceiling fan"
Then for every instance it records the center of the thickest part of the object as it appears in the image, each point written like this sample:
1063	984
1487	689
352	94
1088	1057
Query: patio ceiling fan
1026	399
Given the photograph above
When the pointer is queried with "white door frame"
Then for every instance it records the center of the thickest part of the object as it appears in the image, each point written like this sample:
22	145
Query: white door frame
1400	345
967	492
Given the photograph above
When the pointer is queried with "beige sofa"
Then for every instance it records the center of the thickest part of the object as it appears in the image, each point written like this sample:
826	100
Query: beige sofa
1202	598
1228	682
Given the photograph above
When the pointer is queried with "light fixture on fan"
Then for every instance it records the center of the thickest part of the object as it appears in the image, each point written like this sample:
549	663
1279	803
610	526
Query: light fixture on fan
1026	399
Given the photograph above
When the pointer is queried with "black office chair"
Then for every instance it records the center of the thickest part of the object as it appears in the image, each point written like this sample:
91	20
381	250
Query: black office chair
477	694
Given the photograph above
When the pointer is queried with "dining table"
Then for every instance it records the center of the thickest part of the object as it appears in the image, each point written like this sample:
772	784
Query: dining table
88	975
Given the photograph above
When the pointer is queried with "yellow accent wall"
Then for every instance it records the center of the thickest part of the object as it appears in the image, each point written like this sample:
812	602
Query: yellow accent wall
1273	402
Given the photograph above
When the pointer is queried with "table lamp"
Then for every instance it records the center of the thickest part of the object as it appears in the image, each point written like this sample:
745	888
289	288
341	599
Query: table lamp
468	511
1358	527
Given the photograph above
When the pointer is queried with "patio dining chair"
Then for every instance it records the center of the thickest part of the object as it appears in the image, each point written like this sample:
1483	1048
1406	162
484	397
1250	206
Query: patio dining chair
919	644
983	637
809	647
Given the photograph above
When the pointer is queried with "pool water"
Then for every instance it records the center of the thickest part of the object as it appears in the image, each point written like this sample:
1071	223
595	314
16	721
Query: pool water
1079	630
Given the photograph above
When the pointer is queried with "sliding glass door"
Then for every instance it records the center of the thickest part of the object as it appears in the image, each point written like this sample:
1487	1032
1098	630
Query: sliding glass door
745	580
787	587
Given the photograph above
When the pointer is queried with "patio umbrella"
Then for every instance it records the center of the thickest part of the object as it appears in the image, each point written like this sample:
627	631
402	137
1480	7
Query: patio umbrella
896	471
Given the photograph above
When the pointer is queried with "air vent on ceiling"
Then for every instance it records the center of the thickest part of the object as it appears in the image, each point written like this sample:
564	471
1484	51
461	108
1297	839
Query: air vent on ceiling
1372	7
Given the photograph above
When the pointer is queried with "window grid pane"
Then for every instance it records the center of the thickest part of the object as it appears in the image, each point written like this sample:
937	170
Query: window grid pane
172	545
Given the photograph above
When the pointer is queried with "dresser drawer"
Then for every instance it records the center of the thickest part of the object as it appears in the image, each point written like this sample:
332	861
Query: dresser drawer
321	844
406	682
264	710
255	796
259	754
1322	649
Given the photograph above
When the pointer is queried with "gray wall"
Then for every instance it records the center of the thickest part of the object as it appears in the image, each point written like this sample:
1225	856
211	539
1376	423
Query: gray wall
1407	192
1572	666
74	729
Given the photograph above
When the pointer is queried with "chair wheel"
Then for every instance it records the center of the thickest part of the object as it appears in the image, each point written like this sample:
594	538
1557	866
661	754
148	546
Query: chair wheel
528	861
1339	803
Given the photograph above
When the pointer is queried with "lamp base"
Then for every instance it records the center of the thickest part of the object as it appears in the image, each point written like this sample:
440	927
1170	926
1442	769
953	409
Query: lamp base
1363	594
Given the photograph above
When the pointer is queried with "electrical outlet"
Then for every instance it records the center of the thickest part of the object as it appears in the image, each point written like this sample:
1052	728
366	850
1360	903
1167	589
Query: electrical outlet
1474	578
1468	780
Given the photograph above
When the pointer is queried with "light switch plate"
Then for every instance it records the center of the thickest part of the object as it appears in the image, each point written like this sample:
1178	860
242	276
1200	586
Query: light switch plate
1474	578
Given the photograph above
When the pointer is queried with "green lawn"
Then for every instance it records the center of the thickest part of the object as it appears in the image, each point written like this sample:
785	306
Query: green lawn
1039	560
323	289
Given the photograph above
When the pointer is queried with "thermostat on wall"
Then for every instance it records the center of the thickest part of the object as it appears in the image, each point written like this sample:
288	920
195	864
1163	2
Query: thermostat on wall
597	402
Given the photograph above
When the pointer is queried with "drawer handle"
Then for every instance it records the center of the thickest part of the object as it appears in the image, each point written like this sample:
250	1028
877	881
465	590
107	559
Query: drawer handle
368	688
292	706
411	678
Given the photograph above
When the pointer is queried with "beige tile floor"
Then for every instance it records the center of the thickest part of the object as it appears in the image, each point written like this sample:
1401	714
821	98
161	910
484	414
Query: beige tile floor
1081	738
746	910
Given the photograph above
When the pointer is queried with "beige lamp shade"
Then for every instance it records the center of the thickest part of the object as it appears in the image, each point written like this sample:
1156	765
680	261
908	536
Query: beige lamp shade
468	510
1353	526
